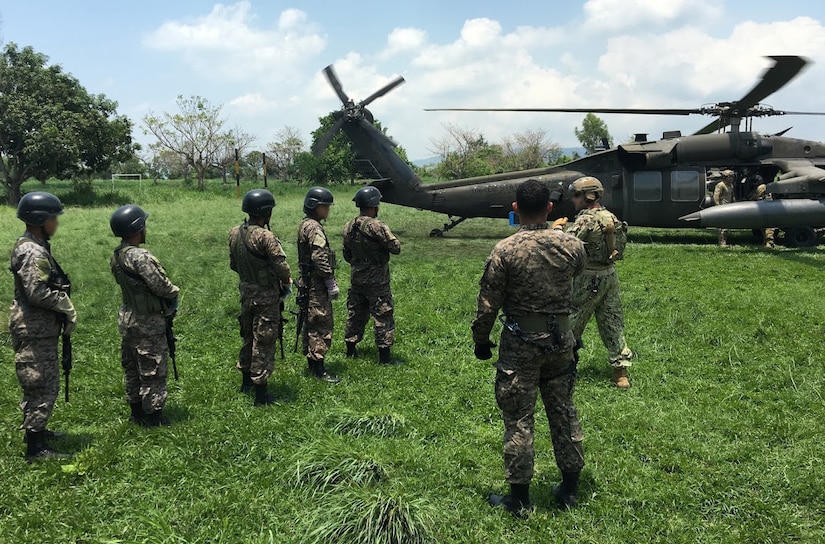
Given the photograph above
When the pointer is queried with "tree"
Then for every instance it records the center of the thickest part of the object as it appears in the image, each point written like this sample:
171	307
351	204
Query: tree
224	159
529	149
593	133
282	152
195	132
464	153
51	126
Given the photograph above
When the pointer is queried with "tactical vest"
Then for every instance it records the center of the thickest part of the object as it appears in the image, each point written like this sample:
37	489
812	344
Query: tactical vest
365	248
57	279
136	293
305	255
612	235
253	266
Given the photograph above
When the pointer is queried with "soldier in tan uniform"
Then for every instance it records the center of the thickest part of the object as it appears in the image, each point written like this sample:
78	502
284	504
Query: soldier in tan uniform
596	290
368	244
148	299
723	194
256	255
760	192
528	276
40	308
317	287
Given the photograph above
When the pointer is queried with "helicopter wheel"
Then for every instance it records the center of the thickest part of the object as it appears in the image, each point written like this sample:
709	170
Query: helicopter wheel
436	233
801	237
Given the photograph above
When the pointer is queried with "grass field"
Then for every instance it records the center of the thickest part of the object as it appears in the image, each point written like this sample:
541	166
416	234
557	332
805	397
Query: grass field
718	440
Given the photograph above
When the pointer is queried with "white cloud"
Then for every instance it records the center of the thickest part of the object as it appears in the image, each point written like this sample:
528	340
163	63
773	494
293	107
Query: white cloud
615	16
252	104
403	40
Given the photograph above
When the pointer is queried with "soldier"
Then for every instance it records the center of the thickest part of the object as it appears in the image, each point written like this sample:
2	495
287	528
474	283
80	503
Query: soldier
723	194
596	290
41	306
528	276
760	192
317	285
149	298
256	255
368	244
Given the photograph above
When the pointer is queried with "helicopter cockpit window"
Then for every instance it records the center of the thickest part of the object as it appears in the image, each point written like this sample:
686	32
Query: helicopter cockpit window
647	186
685	186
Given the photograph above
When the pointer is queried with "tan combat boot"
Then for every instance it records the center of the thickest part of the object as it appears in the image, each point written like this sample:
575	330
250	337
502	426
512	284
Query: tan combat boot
620	377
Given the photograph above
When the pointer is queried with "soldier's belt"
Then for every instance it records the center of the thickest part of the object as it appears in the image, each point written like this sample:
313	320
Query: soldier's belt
540	323
600	272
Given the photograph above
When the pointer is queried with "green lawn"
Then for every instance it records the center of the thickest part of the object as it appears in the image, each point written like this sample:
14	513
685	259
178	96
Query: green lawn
718	440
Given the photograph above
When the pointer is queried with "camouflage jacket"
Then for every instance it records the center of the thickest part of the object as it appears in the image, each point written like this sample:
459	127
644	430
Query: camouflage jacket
368	244
315	257
588	228
530	272
262	255
722	193
141	265
32	313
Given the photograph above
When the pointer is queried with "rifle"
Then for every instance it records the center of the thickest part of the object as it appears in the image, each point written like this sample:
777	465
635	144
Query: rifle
67	363
171	341
281	323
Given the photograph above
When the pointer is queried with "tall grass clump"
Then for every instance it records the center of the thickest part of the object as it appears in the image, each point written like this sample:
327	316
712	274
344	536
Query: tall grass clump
368	424
323	465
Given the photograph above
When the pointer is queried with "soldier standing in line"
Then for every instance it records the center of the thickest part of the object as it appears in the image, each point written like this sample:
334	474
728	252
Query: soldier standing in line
760	192
368	244
317	287
528	276
723	194
41	306
256	255
596	290
148	299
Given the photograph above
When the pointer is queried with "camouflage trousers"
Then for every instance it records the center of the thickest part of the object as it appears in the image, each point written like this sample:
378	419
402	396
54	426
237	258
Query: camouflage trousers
144	361
363	302
38	372
259	330
598	293
318	326
524	370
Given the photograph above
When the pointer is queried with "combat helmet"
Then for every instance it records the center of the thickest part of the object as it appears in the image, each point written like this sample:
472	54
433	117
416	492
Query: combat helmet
258	203
317	196
367	197
128	220
35	208
589	186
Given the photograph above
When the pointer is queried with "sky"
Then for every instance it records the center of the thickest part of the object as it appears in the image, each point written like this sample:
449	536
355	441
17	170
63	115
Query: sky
262	60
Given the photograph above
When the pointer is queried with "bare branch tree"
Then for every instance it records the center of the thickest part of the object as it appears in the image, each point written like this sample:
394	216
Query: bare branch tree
282	152
225	156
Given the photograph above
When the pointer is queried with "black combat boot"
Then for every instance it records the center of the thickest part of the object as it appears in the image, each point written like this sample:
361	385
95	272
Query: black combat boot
517	502
320	371
38	450
138	415
155	419
567	492
246	382
262	395
385	357
47	434
352	351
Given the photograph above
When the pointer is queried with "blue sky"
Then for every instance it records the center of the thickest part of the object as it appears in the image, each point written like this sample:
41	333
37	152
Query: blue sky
262	59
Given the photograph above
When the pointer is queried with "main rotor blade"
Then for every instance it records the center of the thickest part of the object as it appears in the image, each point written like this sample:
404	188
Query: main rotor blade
329	71
321	144
640	111
713	126
383	90
777	76
784	112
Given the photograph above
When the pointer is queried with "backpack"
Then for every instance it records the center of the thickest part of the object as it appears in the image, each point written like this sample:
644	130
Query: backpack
610	222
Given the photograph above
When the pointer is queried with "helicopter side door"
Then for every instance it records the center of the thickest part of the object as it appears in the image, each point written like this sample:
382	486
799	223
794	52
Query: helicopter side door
658	198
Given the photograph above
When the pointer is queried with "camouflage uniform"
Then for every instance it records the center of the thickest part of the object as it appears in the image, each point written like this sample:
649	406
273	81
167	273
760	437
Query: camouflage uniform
596	290
528	275
723	194
368	244
258	258
760	192
317	262
147	295
34	323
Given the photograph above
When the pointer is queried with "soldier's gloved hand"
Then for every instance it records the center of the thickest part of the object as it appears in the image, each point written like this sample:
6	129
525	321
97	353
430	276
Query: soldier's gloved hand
66	307
286	292
559	223
332	288
483	351
174	303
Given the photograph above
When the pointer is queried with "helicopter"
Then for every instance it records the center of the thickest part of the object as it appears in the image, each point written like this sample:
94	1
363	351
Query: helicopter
648	183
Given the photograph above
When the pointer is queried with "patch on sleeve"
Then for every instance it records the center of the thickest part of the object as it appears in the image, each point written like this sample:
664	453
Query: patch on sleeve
320	240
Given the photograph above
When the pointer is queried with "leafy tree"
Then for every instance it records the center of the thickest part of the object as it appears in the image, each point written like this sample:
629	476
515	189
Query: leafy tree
592	133
282	152
51	126
195	133
465	153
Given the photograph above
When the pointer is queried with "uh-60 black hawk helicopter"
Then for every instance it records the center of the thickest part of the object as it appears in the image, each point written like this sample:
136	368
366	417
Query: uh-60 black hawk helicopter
661	183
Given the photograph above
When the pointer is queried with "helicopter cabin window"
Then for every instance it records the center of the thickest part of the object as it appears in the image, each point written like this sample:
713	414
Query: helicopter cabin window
685	186
647	186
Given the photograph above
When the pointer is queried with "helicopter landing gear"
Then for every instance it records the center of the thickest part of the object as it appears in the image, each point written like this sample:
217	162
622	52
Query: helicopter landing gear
438	233
801	237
